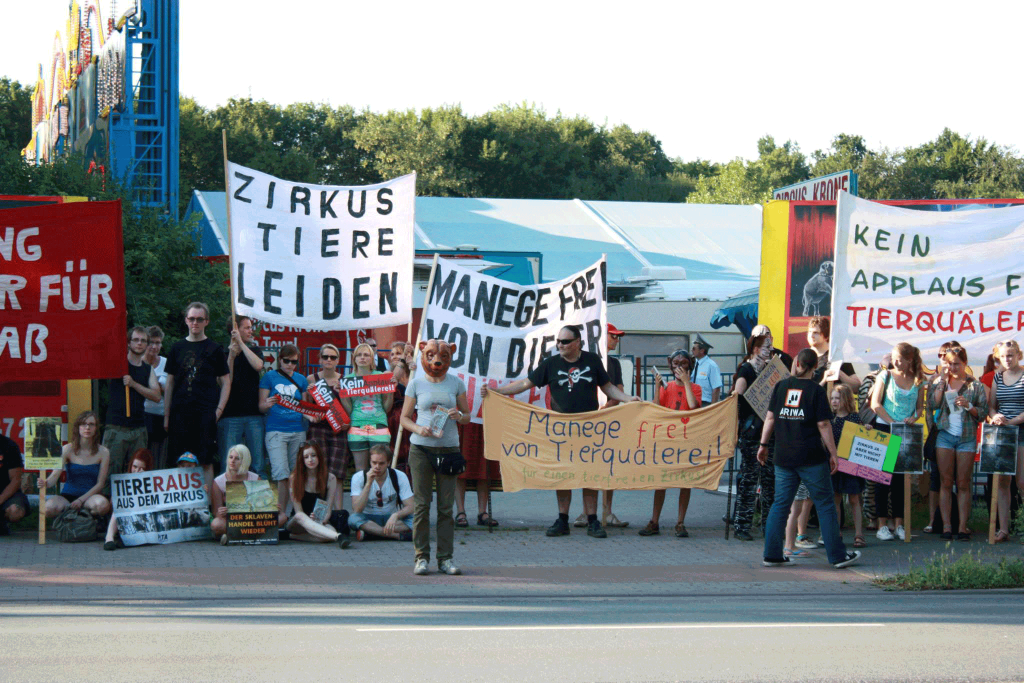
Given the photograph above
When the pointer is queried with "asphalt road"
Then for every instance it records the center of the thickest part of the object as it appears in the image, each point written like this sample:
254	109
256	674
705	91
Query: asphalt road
738	637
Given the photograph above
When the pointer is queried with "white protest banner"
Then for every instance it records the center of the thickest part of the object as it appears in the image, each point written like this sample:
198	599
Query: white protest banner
320	257
164	506
925	277
503	330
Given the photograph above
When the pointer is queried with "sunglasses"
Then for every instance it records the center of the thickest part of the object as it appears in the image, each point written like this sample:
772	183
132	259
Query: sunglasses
324	356
564	341
196	320
380	499
290	361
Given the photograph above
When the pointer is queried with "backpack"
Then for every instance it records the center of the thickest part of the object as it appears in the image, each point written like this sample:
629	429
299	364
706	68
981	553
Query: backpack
75	526
867	416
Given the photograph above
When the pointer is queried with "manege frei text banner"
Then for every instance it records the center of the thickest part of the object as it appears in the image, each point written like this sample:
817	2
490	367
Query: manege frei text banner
635	445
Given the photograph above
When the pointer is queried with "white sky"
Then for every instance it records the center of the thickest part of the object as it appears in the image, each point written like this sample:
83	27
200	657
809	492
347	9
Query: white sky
707	79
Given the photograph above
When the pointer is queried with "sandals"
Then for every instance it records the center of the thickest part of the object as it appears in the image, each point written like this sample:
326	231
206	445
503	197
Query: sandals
859	542
614	522
484	519
461	520
1001	537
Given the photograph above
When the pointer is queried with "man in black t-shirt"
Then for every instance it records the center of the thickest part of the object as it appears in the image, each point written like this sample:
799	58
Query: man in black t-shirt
198	383
124	434
13	503
242	421
800	416
573	378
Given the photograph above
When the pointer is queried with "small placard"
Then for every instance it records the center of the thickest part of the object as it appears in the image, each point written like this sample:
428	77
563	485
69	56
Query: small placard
43	443
759	393
252	512
998	449
911	456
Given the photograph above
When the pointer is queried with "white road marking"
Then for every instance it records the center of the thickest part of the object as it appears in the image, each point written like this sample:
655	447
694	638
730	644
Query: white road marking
610	627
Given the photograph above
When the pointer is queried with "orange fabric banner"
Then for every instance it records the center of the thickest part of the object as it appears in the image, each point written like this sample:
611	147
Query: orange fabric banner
630	446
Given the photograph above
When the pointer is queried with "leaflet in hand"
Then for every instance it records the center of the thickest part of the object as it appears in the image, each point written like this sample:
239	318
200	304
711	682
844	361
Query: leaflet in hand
438	419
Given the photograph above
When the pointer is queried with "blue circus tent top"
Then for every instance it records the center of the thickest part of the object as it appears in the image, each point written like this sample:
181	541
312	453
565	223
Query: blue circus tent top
739	310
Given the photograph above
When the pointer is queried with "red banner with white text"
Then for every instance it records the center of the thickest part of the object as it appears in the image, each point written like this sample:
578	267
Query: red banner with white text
62	293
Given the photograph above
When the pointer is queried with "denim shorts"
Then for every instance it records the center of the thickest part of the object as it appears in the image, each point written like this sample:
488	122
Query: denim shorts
358	519
951	442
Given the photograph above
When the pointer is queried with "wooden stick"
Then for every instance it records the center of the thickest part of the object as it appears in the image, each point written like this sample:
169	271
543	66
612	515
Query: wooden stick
993	510
42	508
227	201
907	506
419	334
127	402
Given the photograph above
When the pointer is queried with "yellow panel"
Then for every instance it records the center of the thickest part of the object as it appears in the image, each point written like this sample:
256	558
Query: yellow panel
79	397
771	303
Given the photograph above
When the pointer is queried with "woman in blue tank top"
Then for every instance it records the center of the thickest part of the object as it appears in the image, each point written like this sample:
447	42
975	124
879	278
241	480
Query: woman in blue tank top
87	464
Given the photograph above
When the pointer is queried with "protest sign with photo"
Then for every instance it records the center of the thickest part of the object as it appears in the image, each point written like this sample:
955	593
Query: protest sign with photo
998	449
320	257
867	453
759	393
163	506
252	512
62	293
634	445
904	276
43	443
503	330
910	459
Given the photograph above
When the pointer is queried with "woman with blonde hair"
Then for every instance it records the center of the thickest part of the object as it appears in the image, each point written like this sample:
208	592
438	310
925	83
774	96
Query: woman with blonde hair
1008	409
369	414
87	464
239	461
896	396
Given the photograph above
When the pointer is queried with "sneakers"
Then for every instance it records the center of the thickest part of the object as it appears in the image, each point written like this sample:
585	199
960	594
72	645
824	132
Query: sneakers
743	535
851	558
884	534
581	521
681	531
223	541
821	540
420	568
405	536
805	543
596	530
560	528
446	567
650	530
901	533
344	542
360	535
780	562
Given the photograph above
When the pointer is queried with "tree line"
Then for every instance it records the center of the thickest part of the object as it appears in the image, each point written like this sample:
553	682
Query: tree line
513	151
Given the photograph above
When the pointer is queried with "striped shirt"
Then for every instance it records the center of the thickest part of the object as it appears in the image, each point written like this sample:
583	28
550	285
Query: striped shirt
1011	398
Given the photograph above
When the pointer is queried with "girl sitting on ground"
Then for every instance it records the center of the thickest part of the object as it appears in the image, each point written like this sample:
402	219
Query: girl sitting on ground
87	464
141	461
310	482
239	461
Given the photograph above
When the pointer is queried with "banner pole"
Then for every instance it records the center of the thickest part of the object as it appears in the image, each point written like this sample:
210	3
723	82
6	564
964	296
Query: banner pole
993	509
416	346
907	506
227	202
42	507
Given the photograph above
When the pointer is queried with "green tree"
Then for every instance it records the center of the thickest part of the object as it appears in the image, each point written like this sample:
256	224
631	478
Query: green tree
431	144
740	182
15	113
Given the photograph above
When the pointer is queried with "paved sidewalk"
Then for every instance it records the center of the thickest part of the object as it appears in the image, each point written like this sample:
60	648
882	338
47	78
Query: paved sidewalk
517	559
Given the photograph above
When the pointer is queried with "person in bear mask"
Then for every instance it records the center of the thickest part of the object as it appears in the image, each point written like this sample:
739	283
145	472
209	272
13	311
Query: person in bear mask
439	401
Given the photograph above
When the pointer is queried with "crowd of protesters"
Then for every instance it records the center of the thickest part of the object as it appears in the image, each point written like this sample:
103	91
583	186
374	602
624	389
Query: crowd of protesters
220	410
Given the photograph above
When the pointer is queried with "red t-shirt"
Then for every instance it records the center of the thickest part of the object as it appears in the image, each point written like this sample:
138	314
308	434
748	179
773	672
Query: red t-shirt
674	396
987	378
